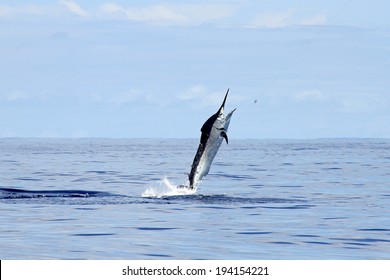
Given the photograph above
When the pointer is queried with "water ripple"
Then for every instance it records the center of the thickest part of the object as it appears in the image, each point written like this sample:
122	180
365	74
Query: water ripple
155	228
14	193
255	232
375	229
92	234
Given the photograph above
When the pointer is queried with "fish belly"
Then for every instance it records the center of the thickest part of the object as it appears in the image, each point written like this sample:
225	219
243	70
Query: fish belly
211	149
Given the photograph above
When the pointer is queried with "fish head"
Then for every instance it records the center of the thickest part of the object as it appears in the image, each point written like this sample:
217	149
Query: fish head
219	120
222	121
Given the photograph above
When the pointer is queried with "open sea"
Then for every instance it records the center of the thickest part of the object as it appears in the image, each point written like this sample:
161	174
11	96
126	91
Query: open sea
263	199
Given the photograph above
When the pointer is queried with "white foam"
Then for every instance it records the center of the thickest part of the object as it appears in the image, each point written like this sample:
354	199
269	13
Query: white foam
166	188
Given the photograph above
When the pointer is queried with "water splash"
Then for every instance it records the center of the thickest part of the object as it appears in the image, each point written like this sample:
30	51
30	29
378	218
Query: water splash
167	188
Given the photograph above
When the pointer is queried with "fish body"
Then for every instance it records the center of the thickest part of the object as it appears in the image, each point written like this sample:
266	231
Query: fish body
214	130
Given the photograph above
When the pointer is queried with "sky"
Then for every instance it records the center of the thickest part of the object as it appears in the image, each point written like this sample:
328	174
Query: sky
118	69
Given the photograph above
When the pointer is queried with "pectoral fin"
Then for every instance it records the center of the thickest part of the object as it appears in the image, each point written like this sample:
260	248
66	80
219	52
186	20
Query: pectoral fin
224	135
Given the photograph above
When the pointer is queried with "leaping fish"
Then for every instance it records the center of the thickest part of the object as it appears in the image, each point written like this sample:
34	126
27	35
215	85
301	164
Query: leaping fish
214	130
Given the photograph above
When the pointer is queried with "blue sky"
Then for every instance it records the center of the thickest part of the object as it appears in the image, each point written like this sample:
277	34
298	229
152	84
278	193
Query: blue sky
295	69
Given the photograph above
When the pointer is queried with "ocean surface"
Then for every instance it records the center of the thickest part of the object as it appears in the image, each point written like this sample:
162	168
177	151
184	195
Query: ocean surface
263	199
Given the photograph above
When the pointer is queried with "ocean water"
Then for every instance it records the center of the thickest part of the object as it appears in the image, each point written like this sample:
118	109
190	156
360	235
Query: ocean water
263	199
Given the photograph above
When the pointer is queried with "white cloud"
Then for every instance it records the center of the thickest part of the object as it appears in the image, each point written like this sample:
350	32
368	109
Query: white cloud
170	14
25	10
124	97
313	20
364	102
16	95
286	18
5	11
119	98
36	10
112	8
193	93
154	14
158	13
74	8
198	14
346	102
204	97
272	19
313	95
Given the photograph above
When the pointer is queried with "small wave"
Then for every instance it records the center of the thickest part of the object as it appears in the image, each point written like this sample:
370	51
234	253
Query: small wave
14	193
256	202
166	188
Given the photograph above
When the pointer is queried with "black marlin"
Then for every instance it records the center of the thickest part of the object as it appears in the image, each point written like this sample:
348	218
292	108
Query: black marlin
214	130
